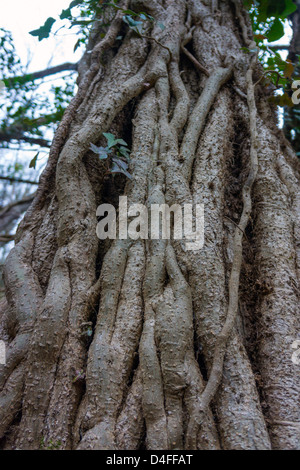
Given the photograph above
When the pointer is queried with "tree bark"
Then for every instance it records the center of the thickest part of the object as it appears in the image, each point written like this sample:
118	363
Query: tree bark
189	349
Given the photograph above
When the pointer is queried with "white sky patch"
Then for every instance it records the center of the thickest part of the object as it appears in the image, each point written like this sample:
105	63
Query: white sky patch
21	16
2	353
285	40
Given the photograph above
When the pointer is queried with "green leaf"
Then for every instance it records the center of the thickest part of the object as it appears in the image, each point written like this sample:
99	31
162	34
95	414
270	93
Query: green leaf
75	3
136	26
120	163
120	167
130	12
44	31
121	142
110	139
276	31
101	151
32	164
125	152
66	14
77	45
267	9
290	7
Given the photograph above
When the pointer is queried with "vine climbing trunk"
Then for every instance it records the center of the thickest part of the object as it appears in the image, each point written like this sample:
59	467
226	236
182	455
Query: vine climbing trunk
134	344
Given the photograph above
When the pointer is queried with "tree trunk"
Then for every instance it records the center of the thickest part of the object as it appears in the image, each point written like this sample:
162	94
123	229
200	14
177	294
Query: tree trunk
189	349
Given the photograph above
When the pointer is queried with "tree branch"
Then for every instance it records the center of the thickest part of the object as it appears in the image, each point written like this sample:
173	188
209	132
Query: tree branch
17	180
280	47
16	135
67	66
10	213
6	238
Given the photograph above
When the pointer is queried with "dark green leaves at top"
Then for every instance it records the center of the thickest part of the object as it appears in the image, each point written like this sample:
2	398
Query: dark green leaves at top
276	31
272	8
269	18
44	31
272	13
290	7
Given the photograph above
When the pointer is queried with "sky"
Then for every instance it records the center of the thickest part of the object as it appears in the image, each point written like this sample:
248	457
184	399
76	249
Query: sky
21	16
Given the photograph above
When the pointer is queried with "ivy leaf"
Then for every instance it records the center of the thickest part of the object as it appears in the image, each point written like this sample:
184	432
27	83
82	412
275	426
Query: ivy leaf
276	31
119	166
136	26
290	8
110	139
77	45
66	14
32	164
130	12
282	100
101	151
278	9
120	163
120	142
75	3
125	152
289	69
44	31
127	12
